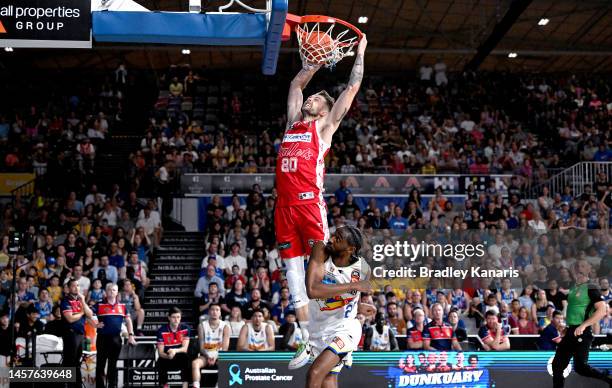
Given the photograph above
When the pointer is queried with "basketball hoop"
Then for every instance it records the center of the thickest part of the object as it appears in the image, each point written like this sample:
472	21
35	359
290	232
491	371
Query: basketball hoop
324	40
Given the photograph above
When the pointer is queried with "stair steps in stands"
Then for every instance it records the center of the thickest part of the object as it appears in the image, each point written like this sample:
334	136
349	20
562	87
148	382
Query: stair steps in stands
174	272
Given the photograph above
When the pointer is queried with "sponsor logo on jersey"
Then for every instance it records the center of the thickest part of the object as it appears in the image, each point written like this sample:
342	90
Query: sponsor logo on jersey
305	196
284	245
298	138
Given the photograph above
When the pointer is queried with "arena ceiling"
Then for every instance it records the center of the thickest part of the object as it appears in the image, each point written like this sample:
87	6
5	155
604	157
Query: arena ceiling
402	35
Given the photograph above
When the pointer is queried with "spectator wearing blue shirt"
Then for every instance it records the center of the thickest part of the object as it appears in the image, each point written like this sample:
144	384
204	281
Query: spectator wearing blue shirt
397	222
44	306
342	192
211	297
523	259
23	295
283	307
117	260
110	270
603	154
4	128
172	347
551	335
204	282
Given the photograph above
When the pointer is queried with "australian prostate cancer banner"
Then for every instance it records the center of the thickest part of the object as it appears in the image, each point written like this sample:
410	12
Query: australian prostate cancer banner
412	369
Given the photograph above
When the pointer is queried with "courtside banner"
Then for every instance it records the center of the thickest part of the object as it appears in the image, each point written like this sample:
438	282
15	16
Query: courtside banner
45	23
362	184
412	369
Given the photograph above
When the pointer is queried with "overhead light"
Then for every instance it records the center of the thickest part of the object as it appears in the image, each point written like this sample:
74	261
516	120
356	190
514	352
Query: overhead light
8	49
512	55
362	20
186	51
543	22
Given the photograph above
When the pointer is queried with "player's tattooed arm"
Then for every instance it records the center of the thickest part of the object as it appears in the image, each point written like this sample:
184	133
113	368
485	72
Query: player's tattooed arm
345	100
357	72
295	100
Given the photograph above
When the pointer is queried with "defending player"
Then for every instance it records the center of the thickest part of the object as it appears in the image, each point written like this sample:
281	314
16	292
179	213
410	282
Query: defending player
301	214
335	278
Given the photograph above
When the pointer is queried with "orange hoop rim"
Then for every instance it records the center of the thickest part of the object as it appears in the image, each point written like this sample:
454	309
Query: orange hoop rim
297	20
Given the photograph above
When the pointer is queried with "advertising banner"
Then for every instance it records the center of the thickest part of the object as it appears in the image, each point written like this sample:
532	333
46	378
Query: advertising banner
365	184
45	23
412	369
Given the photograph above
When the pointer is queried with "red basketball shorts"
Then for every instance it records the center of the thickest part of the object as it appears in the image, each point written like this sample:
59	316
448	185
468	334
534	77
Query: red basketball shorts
298	227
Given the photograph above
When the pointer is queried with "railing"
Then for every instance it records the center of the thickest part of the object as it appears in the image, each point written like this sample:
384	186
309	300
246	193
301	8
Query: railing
25	190
576	177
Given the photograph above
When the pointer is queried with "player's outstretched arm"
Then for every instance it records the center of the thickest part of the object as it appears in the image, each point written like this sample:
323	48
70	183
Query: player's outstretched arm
315	289
295	100
345	100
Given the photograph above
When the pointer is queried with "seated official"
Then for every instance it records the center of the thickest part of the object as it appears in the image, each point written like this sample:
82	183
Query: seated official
172	346
439	335
414	337
553	333
492	333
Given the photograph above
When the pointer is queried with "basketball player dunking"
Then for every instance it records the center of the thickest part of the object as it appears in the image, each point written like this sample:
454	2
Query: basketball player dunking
301	213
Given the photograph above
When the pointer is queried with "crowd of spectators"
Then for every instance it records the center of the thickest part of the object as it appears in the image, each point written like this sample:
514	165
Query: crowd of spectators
481	123
477	123
466	123
541	239
61	131
96	239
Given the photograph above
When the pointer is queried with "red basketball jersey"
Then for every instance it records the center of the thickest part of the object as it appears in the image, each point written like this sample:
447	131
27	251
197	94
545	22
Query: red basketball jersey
300	165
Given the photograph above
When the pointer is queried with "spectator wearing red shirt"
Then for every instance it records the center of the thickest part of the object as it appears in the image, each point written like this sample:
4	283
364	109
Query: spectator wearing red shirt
172	346
492	334
414	336
439	335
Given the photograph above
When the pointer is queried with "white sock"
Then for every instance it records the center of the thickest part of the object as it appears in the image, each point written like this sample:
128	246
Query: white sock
305	333
196	384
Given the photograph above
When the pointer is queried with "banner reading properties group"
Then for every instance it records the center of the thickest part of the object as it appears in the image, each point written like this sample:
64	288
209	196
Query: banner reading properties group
412	369
45	23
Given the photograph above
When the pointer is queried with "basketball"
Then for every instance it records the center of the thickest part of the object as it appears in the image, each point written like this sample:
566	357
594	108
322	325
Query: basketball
317	47
320	39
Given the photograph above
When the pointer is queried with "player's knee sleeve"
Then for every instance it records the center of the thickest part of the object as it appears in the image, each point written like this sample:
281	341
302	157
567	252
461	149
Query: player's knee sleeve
296	277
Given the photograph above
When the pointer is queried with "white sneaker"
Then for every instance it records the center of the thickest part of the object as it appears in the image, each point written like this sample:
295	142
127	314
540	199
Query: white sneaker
301	357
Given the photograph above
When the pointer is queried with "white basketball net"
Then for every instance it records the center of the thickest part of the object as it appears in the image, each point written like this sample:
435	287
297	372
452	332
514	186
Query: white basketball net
323	48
